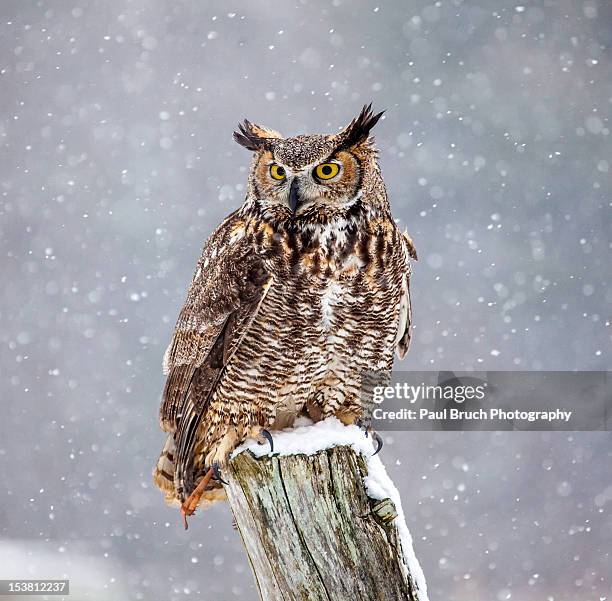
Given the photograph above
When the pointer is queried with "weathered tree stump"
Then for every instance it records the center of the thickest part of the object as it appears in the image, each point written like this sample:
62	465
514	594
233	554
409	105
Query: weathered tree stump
312	533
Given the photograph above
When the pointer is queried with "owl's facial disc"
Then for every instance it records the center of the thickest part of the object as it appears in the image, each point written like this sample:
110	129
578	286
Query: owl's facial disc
302	192
331	181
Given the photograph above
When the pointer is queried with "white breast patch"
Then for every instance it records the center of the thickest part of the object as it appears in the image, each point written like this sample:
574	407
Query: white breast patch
332	295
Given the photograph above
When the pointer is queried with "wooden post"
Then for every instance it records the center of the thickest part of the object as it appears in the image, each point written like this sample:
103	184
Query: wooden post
312	533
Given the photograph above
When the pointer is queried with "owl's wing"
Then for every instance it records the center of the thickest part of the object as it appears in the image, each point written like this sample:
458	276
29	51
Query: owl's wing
227	288
404	330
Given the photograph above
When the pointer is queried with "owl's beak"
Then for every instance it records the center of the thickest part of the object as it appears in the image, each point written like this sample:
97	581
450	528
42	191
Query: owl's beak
294	195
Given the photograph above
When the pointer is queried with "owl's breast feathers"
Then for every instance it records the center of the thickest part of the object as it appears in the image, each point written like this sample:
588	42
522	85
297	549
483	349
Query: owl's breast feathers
349	243
360	254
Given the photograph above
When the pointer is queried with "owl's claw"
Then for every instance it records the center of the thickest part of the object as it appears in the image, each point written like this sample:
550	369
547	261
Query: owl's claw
379	441
191	503
217	474
375	435
266	434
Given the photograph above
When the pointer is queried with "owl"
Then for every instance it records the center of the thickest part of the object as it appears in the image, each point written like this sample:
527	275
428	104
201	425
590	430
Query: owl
296	295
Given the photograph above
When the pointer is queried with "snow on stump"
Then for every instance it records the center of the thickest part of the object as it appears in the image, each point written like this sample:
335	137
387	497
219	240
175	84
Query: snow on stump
322	520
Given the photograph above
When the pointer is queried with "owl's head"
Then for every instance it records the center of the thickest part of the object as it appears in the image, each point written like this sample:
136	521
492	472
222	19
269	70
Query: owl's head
295	176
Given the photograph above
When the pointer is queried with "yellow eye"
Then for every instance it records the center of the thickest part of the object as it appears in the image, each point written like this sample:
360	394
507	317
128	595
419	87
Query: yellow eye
277	172
326	170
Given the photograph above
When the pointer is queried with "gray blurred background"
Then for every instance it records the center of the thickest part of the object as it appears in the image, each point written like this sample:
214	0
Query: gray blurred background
116	162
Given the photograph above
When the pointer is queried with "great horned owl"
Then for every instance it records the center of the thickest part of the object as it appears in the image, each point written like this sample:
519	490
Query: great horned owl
297	293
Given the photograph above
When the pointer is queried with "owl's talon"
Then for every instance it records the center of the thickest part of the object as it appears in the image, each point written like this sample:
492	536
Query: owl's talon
266	434
379	441
217	474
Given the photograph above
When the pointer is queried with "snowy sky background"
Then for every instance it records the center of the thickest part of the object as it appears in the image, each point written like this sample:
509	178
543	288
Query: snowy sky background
116	162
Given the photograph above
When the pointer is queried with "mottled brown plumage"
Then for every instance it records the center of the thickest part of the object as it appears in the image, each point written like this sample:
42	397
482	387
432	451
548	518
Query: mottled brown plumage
297	293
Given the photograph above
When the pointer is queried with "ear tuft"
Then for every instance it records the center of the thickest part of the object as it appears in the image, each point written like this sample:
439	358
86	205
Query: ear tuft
358	130
252	136
246	136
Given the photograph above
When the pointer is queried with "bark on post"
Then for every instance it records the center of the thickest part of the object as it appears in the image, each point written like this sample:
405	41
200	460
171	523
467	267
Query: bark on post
312	533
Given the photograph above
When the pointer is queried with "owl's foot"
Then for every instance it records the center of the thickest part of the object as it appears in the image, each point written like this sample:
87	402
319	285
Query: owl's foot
192	502
376	437
217	474
266	434
379	442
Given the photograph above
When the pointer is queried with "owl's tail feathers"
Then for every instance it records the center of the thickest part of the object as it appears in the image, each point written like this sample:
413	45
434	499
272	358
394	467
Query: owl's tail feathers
163	477
163	473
